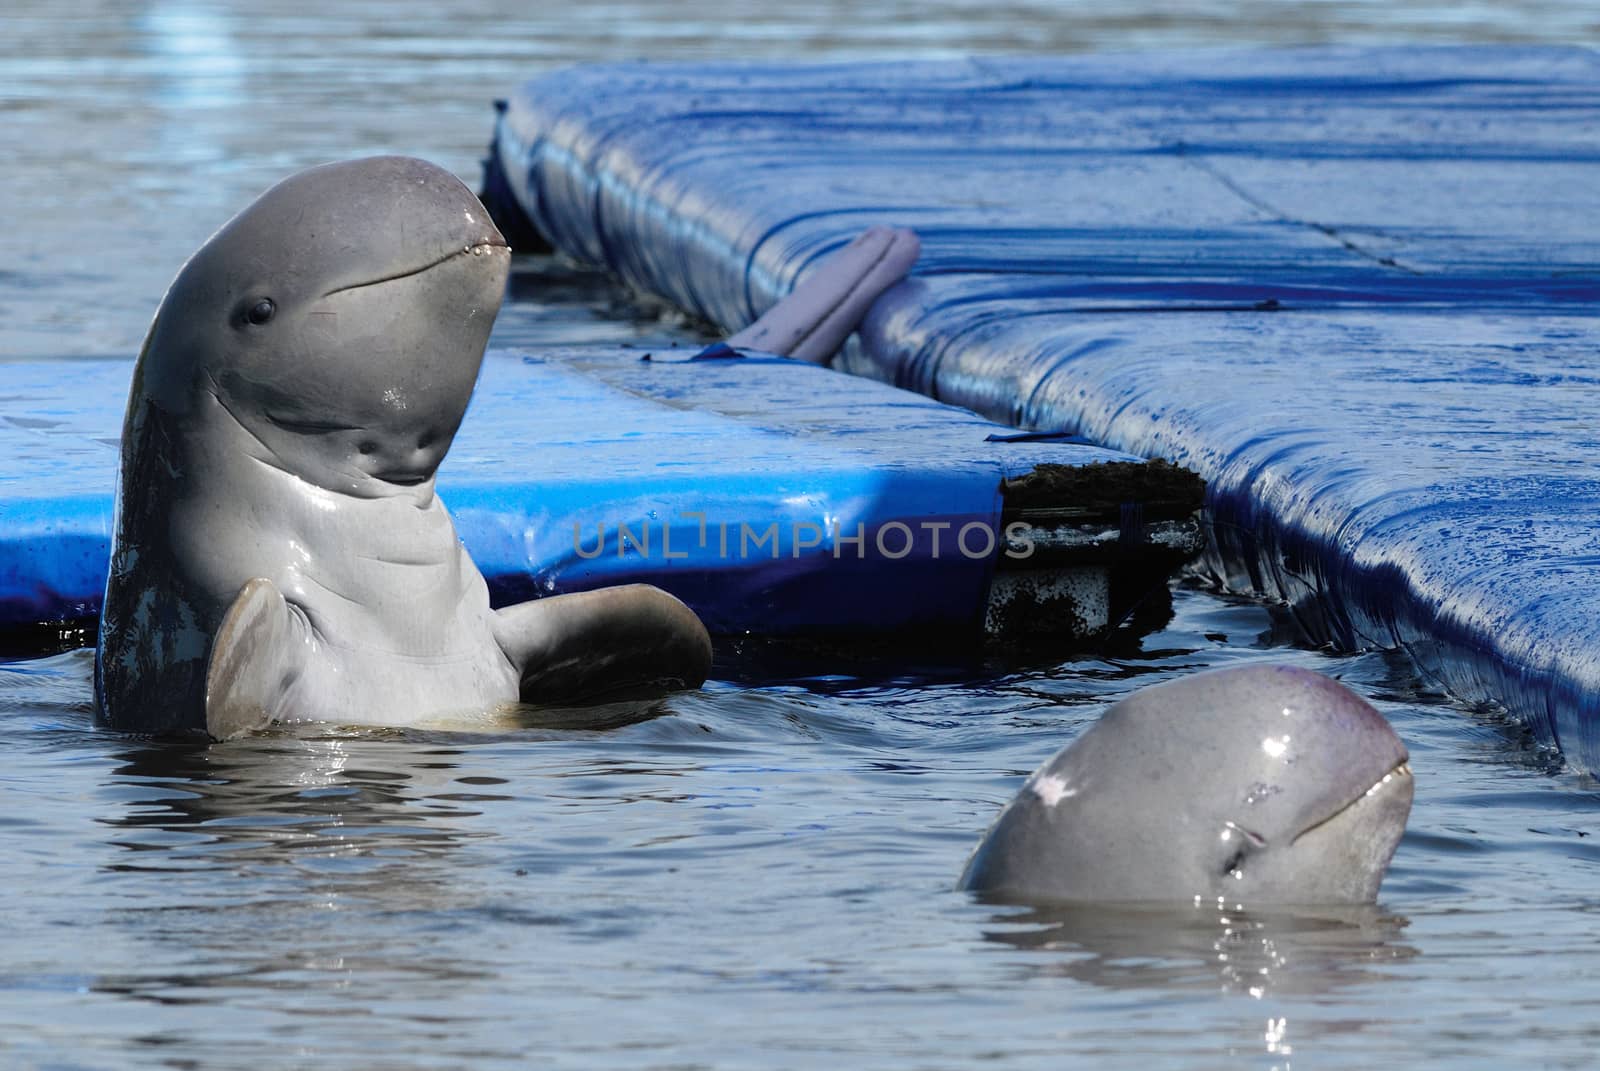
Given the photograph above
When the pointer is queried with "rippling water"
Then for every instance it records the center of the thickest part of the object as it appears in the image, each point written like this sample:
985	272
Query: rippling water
747	877
756	875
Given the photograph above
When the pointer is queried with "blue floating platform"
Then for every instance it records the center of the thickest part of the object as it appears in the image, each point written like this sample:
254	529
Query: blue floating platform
775	497
1355	289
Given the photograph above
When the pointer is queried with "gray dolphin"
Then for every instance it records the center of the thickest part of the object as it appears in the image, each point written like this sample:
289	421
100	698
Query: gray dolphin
279	552
1254	785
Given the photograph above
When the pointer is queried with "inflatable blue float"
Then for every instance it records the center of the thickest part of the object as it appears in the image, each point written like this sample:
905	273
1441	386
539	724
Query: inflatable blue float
1354	289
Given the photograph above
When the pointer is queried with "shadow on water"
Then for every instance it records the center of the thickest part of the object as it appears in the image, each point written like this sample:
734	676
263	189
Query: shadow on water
1279	952
839	661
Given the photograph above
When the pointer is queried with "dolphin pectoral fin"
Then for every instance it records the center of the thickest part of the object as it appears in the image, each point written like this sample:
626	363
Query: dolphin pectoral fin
603	644
255	657
813	322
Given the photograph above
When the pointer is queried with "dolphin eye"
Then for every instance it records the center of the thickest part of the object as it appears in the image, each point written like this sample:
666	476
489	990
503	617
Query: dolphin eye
261	311
1235	861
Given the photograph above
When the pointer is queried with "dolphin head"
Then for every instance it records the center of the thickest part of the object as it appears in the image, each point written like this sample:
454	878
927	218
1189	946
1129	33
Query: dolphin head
340	320
1256	785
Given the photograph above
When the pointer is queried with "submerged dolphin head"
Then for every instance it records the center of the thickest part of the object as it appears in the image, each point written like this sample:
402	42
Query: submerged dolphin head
1257	785
340	320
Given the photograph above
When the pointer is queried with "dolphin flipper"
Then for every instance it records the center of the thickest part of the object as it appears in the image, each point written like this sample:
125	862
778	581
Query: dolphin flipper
593	644
813	322
258	653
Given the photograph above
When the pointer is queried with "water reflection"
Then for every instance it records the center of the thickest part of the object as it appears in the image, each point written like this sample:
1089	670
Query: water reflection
199	62
280	856
353	811
351	814
318	872
1282	952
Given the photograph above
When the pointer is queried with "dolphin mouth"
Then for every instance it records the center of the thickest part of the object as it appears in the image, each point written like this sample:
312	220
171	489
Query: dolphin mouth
474	249
1399	773
404	479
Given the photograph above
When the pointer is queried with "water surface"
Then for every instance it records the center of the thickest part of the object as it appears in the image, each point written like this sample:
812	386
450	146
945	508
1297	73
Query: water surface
751	877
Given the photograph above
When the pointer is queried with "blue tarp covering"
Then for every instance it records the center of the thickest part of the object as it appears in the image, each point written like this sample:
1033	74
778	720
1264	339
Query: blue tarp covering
731	477
1354	288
